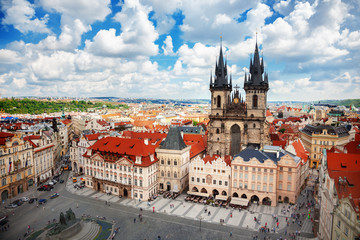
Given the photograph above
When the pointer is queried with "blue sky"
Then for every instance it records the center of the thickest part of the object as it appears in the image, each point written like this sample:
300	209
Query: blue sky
167	49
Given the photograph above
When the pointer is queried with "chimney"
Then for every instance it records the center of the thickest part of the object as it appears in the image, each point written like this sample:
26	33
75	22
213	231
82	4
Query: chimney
277	154
182	134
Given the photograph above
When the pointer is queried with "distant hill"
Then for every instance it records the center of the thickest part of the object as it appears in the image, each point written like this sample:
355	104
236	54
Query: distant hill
344	102
32	106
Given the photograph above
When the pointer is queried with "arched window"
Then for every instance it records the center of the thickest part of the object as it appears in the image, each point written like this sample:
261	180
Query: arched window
218	102
162	173
254	125
168	174
217	131
255	101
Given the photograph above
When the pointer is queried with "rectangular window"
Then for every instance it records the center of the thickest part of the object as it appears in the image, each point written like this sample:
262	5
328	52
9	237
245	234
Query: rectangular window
220	182
214	182
271	170
289	177
129	169
192	179
289	169
259	169
271	179
234	184
240	184
235	174
270	189
253	177
259	177
246	168
265	170
141	183
280	176
135	170
241	168
198	179
289	187
246	176
253	186
140	170
258	187
245	186
280	185
253	169
265	178
241	175
135	182
264	188
203	180
235	167
226	183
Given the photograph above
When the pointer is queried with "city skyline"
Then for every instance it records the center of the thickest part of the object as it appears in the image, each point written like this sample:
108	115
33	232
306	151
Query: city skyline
156	49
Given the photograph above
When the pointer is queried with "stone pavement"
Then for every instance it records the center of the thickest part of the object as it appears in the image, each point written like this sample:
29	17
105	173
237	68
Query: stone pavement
195	211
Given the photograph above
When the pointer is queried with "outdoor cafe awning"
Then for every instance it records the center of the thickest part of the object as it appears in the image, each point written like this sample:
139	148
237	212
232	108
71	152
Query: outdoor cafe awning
221	197
239	201
200	194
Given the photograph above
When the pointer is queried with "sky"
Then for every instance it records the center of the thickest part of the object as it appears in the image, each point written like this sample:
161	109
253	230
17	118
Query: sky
168	49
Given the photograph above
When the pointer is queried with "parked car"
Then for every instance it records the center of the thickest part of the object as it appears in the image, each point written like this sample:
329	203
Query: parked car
25	199
61	181
51	183
3	218
32	200
3	222
55	195
12	205
42	201
18	202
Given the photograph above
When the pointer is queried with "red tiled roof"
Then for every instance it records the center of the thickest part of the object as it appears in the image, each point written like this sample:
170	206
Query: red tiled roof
153	137
268	113
66	121
125	147
353	147
92	137
209	159
300	150
279	143
6	135
346	166
102	123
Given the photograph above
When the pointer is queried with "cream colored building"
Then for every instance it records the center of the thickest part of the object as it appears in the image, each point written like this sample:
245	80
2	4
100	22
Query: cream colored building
174	159
125	167
266	176
16	165
210	176
317	138
43	156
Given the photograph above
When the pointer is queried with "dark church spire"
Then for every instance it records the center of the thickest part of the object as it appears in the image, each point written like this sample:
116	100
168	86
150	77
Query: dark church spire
255	77
221	76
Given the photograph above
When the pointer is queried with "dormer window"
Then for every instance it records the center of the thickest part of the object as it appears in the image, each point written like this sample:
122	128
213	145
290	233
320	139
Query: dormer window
138	160
152	157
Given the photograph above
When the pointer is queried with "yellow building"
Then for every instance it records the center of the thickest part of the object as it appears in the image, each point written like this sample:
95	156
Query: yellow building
316	138
16	165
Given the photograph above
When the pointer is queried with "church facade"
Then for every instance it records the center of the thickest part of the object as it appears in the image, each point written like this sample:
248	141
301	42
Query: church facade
235	122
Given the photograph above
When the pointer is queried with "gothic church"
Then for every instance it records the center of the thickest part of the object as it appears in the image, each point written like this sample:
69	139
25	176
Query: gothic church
236	123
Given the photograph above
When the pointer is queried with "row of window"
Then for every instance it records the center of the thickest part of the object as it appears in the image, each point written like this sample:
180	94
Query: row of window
220	182
168	162
169	174
254	169
258	186
253	177
18	177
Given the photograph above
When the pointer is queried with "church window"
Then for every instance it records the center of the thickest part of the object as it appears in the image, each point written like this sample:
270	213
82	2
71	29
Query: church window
255	101
218	101
217	131
254	126
214	101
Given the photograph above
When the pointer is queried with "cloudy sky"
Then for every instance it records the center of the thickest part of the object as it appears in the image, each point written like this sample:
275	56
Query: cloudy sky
167	49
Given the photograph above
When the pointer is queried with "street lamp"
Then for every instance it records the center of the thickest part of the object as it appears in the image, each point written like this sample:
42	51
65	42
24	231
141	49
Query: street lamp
200	218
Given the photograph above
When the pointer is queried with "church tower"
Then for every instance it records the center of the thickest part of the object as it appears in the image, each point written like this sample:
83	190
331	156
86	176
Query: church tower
234	123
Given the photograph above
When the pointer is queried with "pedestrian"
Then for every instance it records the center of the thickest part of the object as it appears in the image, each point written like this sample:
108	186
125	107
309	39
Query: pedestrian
230	234
134	220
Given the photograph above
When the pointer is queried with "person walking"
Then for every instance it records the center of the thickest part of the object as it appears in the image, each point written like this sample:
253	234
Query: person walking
134	220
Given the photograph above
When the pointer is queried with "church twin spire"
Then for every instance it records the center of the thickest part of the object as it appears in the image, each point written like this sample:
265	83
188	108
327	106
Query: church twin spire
221	80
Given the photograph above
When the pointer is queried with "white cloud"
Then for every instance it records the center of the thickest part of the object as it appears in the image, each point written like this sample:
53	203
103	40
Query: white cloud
87	11
137	36
8	56
221	19
168	46
21	14
284	7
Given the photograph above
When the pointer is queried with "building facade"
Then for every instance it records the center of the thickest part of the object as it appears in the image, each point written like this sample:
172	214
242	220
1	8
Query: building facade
266	176
16	165
210	176
236	123
174	159
317	138
124	167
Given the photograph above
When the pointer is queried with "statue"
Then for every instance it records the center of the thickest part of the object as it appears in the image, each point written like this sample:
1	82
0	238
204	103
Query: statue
70	215
62	220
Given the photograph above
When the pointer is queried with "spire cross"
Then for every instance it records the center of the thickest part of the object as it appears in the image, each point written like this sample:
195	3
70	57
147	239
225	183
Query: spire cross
236	87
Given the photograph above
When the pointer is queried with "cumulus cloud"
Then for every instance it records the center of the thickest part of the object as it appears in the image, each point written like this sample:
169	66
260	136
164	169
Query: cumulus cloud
9	56
137	36
21	14
168	46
